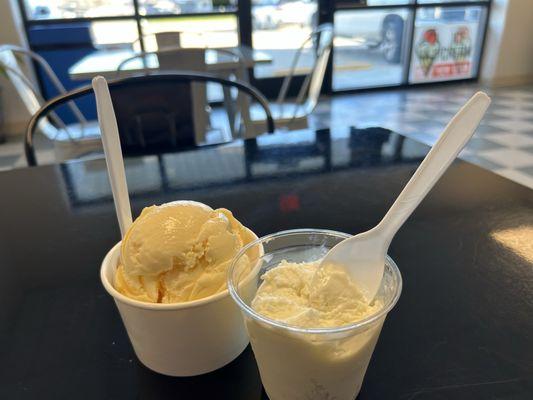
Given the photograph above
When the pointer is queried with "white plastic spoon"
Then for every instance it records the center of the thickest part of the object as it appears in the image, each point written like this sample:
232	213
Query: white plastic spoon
363	255
113	153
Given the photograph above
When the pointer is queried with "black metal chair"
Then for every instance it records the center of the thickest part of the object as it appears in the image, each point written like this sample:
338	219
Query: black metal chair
154	112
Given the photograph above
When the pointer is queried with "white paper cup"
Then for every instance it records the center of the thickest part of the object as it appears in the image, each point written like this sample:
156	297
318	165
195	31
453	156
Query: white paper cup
181	339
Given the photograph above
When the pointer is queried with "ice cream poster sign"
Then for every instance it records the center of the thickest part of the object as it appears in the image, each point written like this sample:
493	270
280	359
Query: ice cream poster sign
443	52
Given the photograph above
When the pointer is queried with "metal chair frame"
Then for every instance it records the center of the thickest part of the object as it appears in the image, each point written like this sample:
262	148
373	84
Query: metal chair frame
235	124
324	52
188	77
49	72
169	50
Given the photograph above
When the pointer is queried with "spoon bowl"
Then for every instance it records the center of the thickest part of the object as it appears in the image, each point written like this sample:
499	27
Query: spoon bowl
363	255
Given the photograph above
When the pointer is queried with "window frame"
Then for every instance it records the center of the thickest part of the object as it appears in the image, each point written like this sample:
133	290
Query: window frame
326	12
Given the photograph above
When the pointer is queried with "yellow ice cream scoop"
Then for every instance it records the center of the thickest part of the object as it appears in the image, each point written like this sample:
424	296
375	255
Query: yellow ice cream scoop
178	251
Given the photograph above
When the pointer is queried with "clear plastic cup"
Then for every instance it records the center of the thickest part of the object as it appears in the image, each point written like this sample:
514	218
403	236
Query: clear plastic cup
300	363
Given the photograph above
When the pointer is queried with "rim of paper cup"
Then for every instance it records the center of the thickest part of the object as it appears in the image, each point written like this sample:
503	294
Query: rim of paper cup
158	306
294	328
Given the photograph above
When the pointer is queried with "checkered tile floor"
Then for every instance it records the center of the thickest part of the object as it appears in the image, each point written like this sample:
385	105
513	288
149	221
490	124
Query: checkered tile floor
12	152
503	143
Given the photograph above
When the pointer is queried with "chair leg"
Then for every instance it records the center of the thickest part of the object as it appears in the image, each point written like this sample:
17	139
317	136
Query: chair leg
163	173
171	122
229	105
139	131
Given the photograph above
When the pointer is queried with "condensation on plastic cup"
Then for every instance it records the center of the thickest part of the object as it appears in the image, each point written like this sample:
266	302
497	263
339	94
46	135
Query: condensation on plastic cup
180	339
306	363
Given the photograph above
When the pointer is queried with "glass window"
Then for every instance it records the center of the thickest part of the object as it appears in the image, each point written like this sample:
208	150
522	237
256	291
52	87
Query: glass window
114	34
155	7
369	47
387	2
64	9
194	31
279	28
446	43
370	3
445	1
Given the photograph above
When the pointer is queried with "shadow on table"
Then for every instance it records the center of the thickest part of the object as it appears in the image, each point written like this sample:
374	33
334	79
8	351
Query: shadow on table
238	380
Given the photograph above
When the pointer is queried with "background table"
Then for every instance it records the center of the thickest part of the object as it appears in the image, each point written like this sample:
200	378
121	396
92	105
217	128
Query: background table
106	62
461	330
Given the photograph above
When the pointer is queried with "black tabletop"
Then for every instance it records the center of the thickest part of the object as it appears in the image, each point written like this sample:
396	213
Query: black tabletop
463	328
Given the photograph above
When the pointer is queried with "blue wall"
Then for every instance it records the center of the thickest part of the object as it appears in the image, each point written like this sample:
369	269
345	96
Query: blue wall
62	45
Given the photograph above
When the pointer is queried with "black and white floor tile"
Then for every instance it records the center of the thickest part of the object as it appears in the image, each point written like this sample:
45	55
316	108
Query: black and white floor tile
503	143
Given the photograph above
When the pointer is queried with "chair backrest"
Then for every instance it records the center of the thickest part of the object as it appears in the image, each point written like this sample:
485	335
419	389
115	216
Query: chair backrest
309	92
158	121
180	59
169	59
175	59
30	94
25	88
168	112
325	43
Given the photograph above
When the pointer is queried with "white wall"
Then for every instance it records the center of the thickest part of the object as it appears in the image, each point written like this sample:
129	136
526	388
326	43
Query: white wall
508	57
12	31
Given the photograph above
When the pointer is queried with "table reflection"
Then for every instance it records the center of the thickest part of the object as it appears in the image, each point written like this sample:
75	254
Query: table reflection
268	157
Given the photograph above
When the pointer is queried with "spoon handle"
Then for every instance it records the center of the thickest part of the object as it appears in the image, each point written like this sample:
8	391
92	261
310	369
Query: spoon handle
113	153
451	142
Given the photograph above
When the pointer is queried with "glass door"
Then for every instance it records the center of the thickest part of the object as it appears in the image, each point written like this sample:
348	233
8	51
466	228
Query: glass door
378	43
447	43
401	42
370	45
279	28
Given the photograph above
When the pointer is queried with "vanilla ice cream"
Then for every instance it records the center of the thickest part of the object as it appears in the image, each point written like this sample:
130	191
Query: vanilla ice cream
306	296
178	252
303	365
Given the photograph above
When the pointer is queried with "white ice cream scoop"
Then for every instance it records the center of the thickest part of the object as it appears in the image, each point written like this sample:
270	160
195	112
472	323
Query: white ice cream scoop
363	255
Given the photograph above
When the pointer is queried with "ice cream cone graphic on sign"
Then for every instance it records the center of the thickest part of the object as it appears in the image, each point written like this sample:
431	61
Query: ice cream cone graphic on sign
461	46
427	50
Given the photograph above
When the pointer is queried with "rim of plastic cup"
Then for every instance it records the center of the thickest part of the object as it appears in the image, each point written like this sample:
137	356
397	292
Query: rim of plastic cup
294	328
158	306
